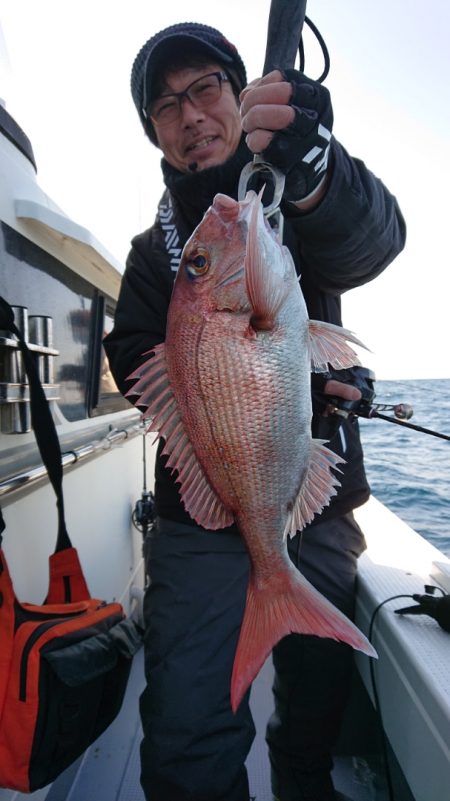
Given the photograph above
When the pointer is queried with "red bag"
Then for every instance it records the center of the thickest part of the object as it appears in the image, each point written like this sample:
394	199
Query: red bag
63	673
64	665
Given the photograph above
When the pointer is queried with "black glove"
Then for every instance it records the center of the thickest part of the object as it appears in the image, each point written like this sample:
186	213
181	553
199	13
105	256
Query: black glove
301	150
437	608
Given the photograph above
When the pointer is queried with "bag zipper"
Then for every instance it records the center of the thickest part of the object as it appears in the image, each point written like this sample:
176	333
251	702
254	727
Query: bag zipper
34	637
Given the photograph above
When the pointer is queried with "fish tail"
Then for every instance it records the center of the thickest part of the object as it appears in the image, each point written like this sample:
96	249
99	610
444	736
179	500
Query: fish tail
286	604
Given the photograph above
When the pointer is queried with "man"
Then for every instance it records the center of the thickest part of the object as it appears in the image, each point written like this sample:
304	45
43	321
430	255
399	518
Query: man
343	228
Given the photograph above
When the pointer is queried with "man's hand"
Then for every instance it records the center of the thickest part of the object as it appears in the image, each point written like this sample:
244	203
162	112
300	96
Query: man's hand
325	388
339	390
288	119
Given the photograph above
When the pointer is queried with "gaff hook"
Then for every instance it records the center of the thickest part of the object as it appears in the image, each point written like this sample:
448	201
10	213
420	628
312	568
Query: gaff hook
258	165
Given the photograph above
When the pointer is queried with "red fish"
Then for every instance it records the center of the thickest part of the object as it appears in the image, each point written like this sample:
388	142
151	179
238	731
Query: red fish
229	391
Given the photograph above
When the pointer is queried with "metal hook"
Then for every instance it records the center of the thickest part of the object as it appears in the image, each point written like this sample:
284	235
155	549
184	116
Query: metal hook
259	165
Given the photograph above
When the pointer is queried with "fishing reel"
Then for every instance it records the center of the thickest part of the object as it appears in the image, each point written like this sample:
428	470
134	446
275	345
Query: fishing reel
144	512
360	377
330	410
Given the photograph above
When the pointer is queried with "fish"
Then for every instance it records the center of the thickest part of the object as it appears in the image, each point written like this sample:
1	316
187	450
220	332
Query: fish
229	392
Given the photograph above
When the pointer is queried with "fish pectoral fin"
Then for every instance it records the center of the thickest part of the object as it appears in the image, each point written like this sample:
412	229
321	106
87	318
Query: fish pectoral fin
154	392
318	487
265	288
329	345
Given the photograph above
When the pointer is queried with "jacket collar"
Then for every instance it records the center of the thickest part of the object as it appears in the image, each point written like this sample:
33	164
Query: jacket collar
193	193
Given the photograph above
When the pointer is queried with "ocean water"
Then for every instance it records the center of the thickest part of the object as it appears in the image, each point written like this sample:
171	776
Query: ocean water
409	471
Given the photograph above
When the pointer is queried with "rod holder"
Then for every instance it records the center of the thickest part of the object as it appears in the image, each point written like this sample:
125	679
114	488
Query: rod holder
37	332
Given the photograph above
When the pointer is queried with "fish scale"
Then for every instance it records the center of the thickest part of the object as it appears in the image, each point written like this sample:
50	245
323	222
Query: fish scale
243	420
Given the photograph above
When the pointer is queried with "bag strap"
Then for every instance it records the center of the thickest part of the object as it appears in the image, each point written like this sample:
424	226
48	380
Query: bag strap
42	422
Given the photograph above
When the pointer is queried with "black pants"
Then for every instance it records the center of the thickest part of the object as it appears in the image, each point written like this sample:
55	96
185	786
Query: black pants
313	675
194	748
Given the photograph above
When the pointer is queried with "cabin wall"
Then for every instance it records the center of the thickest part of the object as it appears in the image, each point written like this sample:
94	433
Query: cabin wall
99	500
64	287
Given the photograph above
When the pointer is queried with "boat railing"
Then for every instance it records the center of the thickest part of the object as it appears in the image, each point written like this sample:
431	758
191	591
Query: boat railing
73	456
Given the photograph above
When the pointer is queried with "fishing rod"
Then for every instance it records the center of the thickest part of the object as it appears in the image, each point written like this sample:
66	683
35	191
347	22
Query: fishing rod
284	33
402	422
285	37
284	43
363	379
144	510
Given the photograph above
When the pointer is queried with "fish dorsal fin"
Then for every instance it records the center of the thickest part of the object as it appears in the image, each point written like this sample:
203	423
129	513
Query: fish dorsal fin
329	345
318	487
265	288
155	393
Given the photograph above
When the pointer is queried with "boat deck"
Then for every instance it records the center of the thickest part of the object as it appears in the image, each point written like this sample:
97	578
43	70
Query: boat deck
109	770
412	680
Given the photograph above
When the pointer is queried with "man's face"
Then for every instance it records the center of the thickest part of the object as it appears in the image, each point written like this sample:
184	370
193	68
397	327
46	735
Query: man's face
207	136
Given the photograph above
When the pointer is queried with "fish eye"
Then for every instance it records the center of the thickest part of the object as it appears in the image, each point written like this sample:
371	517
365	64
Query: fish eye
198	263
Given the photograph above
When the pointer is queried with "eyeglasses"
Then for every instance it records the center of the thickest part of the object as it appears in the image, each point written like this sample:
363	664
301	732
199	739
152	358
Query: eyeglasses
201	93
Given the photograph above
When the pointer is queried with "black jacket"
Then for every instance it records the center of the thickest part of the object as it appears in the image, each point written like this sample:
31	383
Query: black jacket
354	233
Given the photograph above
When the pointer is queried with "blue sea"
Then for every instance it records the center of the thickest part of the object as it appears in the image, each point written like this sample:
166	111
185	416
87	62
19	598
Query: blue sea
409	471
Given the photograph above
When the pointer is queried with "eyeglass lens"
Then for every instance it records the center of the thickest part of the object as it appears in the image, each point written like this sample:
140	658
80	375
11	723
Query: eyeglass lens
201	92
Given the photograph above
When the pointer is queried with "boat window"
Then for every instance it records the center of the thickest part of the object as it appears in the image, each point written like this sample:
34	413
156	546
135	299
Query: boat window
45	289
60	309
104	394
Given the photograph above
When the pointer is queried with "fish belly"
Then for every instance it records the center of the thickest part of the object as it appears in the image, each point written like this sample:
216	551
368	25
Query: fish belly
245	402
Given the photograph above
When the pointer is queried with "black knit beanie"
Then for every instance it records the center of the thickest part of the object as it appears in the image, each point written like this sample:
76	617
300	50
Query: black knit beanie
210	42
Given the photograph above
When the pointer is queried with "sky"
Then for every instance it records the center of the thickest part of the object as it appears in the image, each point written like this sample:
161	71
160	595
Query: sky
64	75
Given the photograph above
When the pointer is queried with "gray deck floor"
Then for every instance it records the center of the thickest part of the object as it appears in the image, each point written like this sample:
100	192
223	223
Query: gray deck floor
109	771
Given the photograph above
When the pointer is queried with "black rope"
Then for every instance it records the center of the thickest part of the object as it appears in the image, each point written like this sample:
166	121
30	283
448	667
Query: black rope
301	51
42	422
323	47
